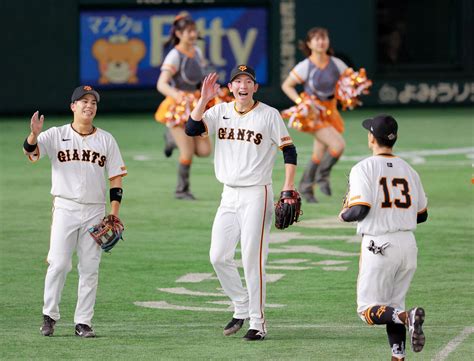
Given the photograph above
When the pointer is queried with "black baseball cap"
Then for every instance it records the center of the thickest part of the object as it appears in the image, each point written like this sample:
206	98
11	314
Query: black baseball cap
82	90
242	70
382	126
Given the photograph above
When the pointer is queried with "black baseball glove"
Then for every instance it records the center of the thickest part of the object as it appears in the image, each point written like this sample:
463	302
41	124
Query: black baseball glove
287	213
108	232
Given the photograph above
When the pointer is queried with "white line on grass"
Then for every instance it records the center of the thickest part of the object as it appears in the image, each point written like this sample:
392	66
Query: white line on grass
417	156
454	343
184	291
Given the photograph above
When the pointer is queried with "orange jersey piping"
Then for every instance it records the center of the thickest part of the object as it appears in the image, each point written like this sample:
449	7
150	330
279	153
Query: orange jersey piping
261	254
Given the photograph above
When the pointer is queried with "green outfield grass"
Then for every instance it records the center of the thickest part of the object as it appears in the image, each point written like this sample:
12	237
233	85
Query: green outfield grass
166	239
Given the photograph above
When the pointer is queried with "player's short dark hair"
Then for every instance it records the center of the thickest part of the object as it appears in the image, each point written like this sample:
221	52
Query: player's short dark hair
385	142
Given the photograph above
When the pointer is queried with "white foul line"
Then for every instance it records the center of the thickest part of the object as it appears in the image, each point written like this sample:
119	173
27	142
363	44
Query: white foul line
453	344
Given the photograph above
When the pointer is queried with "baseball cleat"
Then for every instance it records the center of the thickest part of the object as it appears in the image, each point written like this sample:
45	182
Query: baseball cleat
233	326
47	329
415	319
85	331
254	335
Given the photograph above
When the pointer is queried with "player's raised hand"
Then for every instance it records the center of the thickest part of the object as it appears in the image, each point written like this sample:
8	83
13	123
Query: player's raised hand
37	122
209	87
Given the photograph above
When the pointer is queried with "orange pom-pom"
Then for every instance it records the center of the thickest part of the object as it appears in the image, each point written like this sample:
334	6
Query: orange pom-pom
178	113
350	86
306	115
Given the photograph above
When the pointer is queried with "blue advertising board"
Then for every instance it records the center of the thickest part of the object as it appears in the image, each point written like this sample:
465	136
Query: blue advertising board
125	48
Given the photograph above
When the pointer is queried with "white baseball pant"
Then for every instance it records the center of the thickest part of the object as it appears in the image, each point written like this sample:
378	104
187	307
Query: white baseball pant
245	214
69	232
384	279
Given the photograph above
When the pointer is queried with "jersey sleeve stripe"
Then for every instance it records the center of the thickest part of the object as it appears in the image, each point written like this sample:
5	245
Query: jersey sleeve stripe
423	210
118	175
360	204
285	145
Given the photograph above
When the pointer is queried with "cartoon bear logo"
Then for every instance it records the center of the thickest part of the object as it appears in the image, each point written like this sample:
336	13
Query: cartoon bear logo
118	59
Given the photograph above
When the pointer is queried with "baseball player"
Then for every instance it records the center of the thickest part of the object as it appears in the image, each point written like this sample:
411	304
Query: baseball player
248	134
387	199
81	156
319	73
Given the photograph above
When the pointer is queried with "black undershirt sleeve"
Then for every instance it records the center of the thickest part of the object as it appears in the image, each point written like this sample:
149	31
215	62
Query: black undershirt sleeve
194	128
355	213
422	217
289	154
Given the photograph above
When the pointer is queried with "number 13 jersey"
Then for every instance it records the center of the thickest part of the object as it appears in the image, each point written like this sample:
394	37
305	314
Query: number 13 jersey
393	191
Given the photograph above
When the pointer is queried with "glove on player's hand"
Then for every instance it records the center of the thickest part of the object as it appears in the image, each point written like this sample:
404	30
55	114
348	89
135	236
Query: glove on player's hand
287	213
108	232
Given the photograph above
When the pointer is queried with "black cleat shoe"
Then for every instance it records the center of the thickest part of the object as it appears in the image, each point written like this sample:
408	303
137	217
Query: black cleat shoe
415	319
48	326
233	326
85	331
254	335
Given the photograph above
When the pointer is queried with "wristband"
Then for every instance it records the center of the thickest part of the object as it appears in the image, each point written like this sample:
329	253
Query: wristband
116	194
298	100
30	148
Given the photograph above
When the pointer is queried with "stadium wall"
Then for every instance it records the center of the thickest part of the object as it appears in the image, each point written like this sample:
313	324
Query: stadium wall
42	56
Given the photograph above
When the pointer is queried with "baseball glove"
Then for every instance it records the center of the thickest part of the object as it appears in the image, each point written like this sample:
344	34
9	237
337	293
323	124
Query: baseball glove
287	213
108	232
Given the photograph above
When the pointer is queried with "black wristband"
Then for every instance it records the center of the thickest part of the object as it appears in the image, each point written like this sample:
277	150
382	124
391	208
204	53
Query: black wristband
30	148
116	194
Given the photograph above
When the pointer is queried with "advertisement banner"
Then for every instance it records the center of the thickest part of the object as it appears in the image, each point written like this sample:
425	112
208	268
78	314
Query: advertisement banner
125	48
423	92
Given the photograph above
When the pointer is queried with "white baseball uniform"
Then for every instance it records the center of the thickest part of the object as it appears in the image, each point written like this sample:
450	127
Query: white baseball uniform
393	191
79	167
245	150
